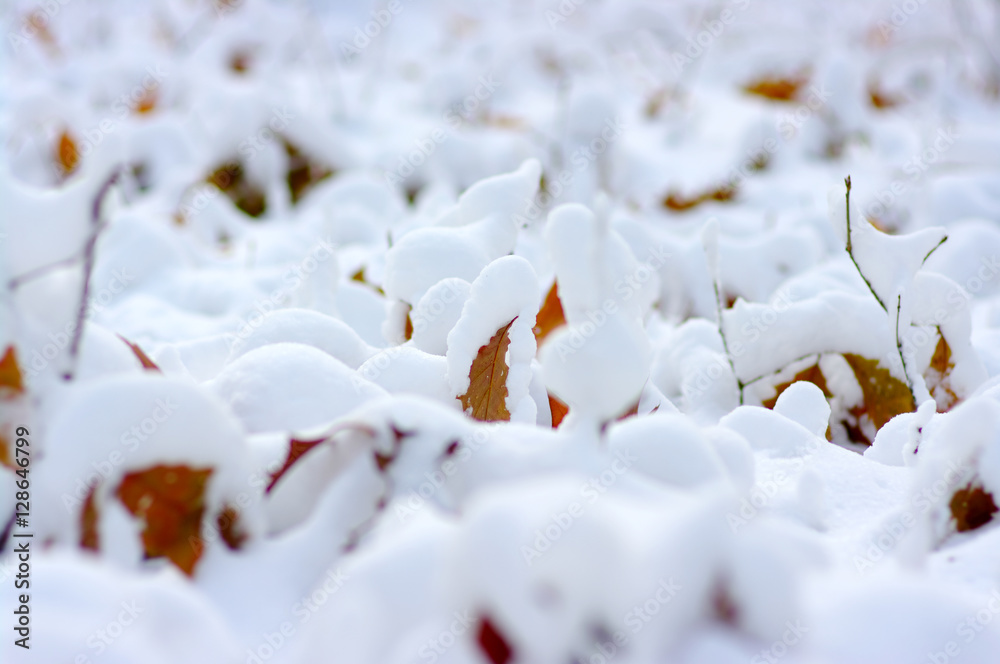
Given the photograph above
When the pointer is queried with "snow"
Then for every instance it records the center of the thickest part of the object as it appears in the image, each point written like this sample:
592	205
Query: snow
696	504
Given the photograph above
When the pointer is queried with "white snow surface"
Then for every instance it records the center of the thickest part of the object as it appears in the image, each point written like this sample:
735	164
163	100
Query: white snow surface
462	158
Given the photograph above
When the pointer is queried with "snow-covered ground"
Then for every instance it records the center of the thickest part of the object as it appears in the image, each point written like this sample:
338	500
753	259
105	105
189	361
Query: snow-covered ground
340	266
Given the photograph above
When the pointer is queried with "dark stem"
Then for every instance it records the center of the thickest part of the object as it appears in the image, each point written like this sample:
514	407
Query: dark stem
88	266
41	271
899	346
722	333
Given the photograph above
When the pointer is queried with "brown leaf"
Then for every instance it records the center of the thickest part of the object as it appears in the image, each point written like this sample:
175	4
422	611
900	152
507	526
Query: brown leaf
776	89
486	397
170	501
558	409
11	379
811	374
408	327
67	154
972	507
884	395
296	449
147	363
492	642
89	538
938	374
550	316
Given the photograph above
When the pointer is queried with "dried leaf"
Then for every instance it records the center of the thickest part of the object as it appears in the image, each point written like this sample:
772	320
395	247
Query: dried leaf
811	374
67	154
147	102
679	203
303	173
558	409
228	525
408	327
885	396
147	363
231	179
170	501
487	395
89	538
631	412
972	507
296	449
360	277
492	642
550	316
11	379
776	89
880	99
938	374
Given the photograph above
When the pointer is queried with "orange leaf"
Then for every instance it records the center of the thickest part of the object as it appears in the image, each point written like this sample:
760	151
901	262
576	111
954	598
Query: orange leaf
884	395
558	409
972	507
550	316
487	395
147	363
11	381
89	538
67	154
170	500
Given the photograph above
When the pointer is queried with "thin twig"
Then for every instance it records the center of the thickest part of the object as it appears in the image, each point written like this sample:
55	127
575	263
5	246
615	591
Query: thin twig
781	370
899	347
41	271
722	333
850	248
88	266
943	240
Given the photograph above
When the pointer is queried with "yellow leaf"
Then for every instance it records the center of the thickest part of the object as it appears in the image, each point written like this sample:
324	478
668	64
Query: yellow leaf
487	395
